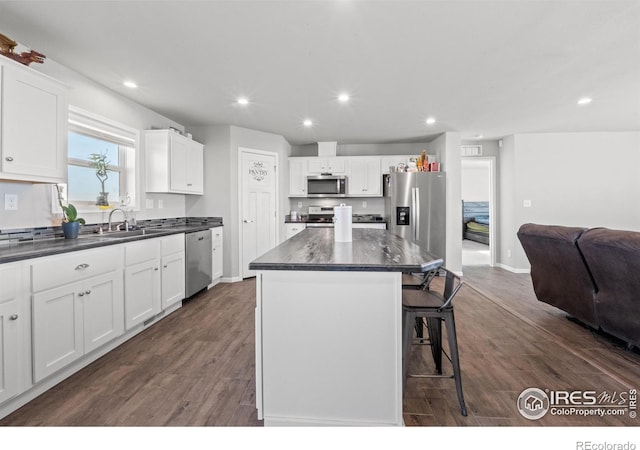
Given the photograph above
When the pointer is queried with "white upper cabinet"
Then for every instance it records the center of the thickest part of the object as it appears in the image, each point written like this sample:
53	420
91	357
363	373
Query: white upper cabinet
298	177
33	125
174	163
334	166
365	177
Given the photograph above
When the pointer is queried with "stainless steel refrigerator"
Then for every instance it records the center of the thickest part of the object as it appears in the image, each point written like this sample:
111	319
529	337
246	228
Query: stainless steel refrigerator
415	208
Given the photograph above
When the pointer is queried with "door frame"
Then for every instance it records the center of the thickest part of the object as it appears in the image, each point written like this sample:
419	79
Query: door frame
491	162
241	152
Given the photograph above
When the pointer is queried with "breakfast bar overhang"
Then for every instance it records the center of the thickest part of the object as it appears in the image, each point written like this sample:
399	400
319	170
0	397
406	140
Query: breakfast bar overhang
329	328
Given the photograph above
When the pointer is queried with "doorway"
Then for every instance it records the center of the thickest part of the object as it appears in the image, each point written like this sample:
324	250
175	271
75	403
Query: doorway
478	211
258	205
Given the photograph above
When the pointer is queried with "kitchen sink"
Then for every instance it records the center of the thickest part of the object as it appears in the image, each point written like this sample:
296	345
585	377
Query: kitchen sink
126	234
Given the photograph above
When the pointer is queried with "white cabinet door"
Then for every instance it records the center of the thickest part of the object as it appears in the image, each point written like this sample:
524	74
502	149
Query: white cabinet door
178	163
333	166
365	177
298	177
218	253
173	279
291	229
57	329
33	126
195	168
141	292
103	310
11	324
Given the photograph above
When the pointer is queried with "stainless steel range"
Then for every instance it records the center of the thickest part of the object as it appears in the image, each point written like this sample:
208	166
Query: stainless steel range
322	217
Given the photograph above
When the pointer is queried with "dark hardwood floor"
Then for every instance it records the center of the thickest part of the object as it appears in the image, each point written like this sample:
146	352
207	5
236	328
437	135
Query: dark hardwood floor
196	367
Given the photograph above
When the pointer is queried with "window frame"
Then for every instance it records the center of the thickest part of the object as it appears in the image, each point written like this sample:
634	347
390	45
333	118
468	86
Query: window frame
90	124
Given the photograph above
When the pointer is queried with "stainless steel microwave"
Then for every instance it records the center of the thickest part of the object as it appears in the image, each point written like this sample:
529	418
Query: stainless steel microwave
327	186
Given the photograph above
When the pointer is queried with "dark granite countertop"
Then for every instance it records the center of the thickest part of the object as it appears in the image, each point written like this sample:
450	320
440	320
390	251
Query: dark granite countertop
17	251
372	250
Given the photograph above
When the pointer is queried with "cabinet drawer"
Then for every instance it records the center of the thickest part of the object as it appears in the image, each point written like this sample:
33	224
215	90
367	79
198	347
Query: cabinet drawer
71	267
142	251
172	244
216	235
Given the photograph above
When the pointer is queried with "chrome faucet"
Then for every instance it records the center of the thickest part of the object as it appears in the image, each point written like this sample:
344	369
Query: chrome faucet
126	219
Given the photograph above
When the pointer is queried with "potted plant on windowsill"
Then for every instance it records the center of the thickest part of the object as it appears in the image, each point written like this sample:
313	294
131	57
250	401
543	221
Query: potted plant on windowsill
100	162
70	220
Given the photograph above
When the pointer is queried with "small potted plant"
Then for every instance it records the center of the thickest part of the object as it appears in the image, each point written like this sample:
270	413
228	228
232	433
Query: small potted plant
70	220
100	162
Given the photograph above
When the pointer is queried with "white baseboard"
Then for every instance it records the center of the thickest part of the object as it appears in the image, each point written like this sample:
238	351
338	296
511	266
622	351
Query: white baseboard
230	279
512	269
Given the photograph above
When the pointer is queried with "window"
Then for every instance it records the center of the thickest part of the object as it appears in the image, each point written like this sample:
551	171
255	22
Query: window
90	135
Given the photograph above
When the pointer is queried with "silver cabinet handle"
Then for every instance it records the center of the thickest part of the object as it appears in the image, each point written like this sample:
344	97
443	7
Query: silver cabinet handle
247	221
81	266
189	184
165	266
9	158
81	294
13	317
201	238
156	268
88	291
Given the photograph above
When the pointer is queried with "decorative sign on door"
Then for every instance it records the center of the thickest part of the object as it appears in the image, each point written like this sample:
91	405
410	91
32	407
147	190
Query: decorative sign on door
258	170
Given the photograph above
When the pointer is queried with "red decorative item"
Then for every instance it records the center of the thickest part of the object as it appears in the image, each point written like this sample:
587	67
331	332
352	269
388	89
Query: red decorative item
6	49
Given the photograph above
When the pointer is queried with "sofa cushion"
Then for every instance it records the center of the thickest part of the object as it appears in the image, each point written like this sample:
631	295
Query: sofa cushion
613	257
558	271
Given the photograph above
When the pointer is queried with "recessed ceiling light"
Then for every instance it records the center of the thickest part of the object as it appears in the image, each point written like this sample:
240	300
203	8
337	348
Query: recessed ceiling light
585	101
130	84
343	98
307	123
243	101
430	121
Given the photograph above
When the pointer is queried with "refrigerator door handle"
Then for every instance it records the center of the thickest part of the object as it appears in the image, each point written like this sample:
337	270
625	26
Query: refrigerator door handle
416	208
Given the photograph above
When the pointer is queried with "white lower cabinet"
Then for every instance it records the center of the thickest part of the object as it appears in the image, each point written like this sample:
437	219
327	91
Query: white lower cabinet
11	330
173	270
72	320
142	288
217	242
291	229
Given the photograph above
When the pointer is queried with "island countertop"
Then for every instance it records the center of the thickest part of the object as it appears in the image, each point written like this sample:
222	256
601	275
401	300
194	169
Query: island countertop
371	250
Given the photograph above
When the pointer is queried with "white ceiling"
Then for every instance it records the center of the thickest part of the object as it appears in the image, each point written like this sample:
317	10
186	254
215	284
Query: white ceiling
479	67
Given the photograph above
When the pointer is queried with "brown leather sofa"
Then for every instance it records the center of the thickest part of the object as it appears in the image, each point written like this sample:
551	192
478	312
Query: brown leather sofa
592	274
613	257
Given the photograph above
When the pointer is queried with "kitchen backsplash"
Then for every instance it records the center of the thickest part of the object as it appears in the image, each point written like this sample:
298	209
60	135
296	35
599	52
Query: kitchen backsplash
373	205
12	236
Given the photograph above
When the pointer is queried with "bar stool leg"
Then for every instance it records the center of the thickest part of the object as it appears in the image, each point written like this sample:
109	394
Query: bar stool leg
455	361
408	321
434	325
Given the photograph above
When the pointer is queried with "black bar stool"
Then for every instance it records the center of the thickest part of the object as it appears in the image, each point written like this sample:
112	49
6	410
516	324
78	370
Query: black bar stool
435	307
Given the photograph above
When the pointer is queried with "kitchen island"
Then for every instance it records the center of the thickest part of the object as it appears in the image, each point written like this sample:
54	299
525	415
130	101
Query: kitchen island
329	328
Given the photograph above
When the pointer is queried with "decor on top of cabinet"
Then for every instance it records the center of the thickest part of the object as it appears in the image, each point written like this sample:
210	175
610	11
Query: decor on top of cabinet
100	162
7	45
70	220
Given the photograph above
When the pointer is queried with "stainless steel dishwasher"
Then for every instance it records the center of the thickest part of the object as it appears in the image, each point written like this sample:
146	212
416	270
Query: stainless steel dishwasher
198	255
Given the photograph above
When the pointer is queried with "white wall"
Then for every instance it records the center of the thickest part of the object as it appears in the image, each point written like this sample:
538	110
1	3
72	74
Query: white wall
447	149
222	143
413	148
34	200
475	180
572	179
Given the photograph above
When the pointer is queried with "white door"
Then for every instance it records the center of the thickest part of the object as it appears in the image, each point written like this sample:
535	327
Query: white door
259	205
